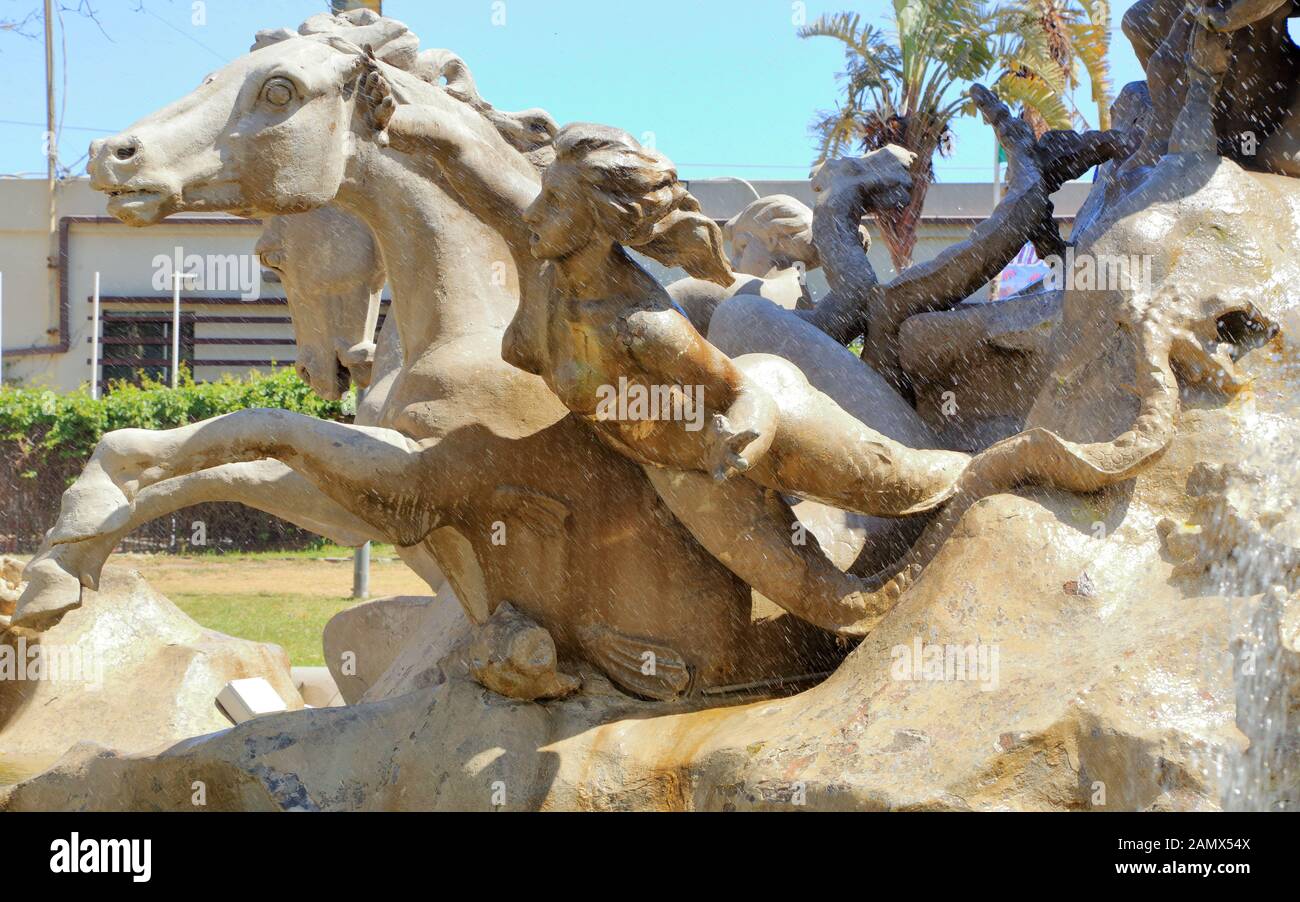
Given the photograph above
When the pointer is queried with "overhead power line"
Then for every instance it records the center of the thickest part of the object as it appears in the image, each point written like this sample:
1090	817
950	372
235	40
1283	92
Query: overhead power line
75	128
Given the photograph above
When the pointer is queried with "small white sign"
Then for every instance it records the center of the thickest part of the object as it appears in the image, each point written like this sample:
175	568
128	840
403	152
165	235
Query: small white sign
242	700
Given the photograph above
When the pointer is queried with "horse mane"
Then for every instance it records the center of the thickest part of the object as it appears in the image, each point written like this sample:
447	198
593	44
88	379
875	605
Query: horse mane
359	31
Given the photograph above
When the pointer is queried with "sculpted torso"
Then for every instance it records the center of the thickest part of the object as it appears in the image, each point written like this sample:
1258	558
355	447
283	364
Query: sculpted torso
591	351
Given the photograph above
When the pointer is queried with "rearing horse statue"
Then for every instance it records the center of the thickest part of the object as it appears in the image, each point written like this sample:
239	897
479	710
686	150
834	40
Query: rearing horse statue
516	500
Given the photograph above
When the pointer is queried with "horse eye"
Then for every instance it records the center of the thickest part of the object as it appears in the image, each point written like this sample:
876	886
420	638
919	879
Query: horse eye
278	92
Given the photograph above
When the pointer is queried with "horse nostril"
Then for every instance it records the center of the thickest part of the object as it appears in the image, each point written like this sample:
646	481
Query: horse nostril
126	149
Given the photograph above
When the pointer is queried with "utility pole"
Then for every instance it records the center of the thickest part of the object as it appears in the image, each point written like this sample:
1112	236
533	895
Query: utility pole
51	144
361	556
51	157
361	572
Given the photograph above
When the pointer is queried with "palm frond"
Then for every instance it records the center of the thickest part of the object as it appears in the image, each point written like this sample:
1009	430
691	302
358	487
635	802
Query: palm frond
1092	44
1031	92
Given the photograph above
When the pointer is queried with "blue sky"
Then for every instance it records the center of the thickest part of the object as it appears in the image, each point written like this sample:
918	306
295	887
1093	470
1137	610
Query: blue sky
725	86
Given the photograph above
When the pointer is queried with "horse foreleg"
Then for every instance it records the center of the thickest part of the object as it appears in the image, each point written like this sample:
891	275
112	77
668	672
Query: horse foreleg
375	473
57	573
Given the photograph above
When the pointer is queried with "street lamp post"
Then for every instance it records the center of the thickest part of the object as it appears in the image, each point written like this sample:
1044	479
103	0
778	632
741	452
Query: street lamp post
94	342
176	324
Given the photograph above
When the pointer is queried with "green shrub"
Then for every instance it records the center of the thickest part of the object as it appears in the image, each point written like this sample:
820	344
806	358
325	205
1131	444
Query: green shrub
67	426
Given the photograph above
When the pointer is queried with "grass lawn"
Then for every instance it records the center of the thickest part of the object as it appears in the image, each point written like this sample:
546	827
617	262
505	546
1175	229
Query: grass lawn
294	622
281	597
328	551
285	597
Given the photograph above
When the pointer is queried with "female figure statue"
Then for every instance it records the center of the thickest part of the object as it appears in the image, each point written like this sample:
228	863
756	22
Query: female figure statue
592	319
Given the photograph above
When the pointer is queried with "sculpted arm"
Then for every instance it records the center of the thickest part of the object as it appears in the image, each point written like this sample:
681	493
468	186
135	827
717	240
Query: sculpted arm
496	183
670	351
1036	170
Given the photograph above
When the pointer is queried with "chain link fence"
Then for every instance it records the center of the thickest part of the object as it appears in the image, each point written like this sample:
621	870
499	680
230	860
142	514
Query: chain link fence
31	506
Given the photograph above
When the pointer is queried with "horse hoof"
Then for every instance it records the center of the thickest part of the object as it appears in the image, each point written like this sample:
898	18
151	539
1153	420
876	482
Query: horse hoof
51	592
93	506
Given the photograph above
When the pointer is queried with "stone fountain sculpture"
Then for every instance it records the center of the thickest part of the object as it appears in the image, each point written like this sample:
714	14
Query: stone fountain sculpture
482	523
1067	638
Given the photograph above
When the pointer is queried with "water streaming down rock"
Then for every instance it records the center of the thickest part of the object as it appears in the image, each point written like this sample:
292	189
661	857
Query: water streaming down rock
1258	510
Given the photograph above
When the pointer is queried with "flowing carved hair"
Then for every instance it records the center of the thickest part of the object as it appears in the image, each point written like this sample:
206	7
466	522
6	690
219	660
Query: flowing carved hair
783	222
635	194
529	131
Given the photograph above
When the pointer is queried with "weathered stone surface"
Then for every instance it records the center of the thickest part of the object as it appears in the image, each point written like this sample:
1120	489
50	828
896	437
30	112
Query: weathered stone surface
11	585
427	655
363	642
133	672
317	687
1087	687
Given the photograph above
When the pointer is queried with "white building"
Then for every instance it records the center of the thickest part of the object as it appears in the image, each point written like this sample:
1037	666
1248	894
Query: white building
233	323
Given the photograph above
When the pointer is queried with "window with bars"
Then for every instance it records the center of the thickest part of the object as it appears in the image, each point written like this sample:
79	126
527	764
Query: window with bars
139	345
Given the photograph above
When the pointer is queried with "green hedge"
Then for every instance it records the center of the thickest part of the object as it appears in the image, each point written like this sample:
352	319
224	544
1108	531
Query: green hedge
46	438
67	426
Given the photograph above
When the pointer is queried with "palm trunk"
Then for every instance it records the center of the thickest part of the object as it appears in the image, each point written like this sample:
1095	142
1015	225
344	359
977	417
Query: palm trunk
898	228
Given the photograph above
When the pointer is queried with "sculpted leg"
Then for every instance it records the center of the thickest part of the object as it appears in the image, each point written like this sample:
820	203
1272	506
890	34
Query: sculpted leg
375	472
748	324
824	453
387	490
752	531
57	572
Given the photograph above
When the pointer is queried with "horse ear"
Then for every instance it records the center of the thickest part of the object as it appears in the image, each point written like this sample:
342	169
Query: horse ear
268	36
438	65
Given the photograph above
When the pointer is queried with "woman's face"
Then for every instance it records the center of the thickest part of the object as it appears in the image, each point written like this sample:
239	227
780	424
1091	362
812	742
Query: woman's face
560	217
751	255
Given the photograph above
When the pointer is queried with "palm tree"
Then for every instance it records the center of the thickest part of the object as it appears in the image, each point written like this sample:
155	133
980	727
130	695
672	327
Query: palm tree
900	91
905	88
1043	45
